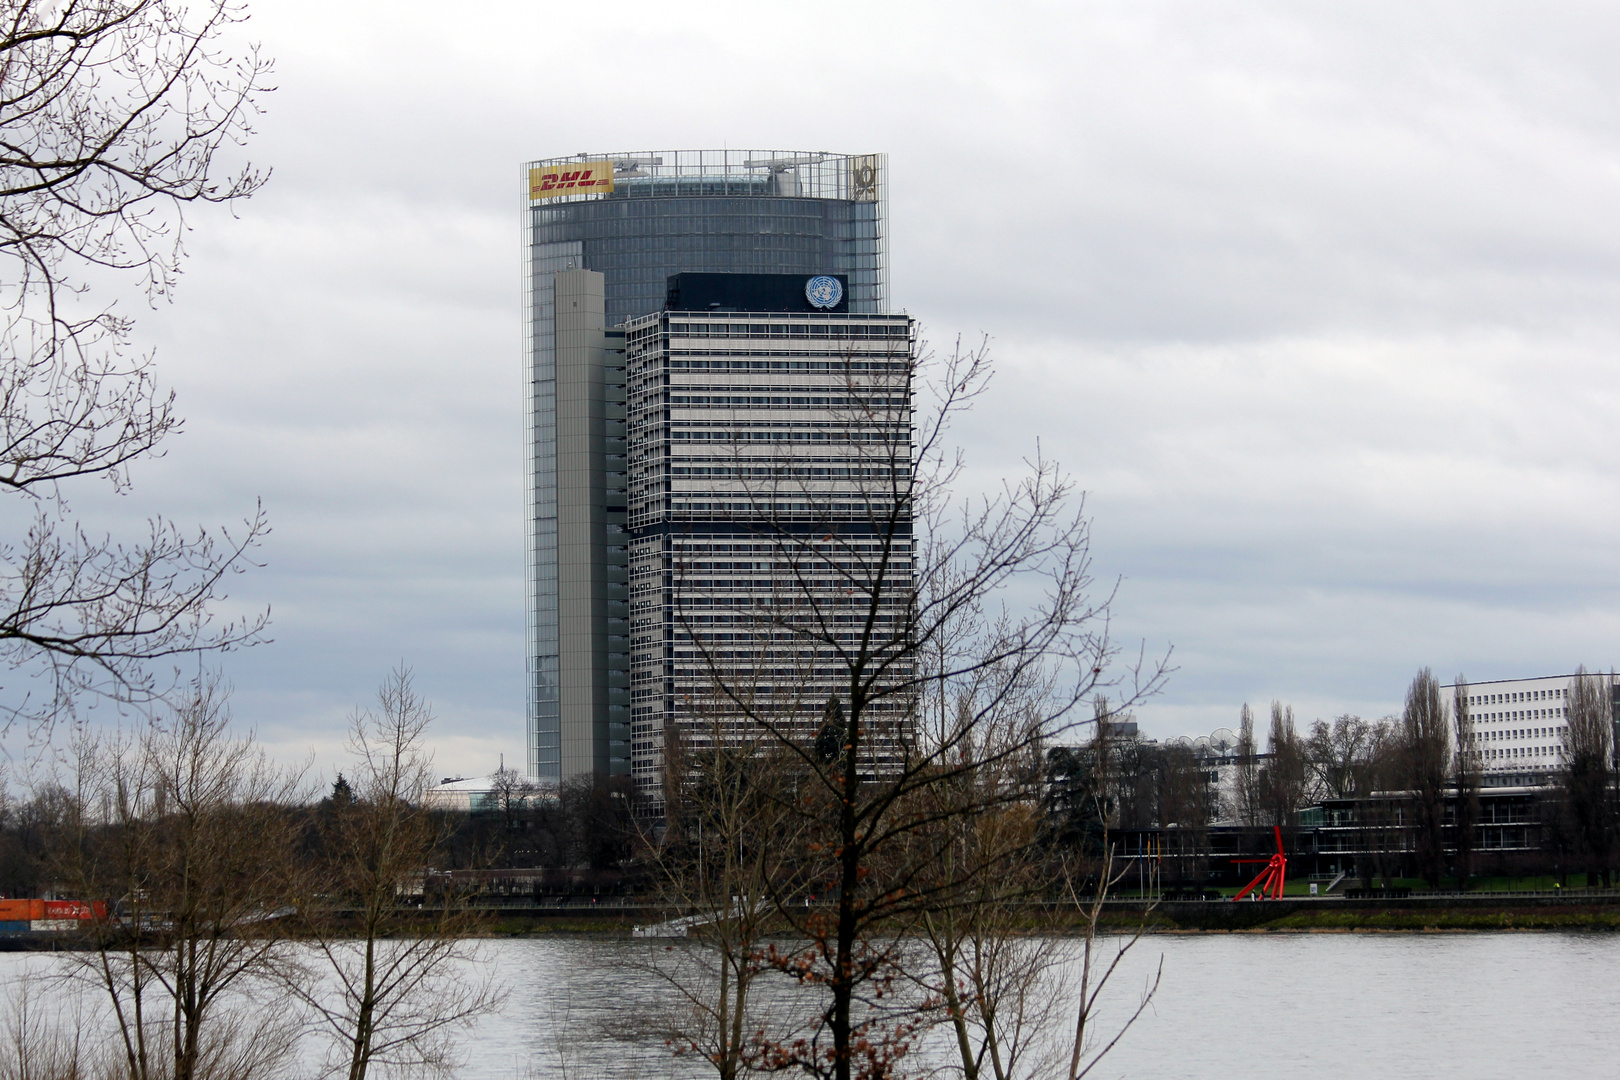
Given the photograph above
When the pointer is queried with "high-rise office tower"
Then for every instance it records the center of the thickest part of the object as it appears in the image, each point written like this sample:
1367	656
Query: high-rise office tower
602	234
769	509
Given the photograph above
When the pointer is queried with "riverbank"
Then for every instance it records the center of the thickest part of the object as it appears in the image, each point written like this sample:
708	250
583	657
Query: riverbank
1325	915
1334	915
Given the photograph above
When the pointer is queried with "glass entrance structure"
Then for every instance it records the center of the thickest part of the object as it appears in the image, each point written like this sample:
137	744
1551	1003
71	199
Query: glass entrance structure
636	219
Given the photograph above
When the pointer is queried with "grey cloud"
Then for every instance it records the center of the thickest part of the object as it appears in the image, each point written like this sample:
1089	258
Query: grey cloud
1316	300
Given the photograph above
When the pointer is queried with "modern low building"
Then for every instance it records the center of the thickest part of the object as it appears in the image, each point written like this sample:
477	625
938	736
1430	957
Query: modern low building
770	454
602	233
481	794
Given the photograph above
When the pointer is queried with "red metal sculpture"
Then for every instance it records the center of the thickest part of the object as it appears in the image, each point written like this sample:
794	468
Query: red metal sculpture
1269	880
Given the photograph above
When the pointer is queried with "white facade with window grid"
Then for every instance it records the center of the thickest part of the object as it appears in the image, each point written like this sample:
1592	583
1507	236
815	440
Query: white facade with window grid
769	457
1518	726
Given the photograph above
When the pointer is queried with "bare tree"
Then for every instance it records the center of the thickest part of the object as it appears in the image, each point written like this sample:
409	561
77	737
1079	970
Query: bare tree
1465	768
910	622
994	979
1002	962
1021	998
402	973
1284	780
1336	754
995	972
601	822
1247	794
1185	809
190	830
515	797
43	1037
1097	969
33	834
1378	777
728	856
1425	750
114	116
1588	779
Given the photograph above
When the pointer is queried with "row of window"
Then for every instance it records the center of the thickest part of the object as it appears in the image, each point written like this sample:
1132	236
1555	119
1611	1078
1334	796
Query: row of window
1520	752
1525	714
830	367
883	435
743	195
802	565
1507	698
1524	733
784	469
747	620
845	598
757	225
803	583
781	507
830	548
832	329
829	402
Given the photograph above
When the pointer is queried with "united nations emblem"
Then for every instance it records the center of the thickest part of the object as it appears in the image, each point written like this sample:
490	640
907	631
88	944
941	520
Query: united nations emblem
823	291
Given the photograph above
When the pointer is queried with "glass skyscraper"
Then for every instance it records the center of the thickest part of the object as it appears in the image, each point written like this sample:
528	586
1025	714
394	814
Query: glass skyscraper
603	233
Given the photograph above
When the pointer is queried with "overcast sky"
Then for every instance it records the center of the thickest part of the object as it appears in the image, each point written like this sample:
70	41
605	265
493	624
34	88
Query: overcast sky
1317	301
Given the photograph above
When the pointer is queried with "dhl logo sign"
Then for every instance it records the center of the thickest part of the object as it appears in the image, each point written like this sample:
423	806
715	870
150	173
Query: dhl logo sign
574	178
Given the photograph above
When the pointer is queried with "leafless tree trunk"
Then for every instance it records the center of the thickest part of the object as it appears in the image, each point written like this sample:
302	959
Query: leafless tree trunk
190	832
728	858
114	116
1283	780
514	795
43	1037
987	962
1588	779
1336	754
1097	969
406	976
1425	746
1466	769
1000	961
913	619
1248	798
1377	778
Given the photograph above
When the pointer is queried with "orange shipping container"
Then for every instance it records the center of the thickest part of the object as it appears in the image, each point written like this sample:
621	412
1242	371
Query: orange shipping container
18	910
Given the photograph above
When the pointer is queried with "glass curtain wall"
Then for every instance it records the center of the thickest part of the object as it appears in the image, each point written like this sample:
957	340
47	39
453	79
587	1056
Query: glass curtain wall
713	211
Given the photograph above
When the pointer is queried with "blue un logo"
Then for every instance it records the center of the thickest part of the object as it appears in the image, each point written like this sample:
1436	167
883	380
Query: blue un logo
823	291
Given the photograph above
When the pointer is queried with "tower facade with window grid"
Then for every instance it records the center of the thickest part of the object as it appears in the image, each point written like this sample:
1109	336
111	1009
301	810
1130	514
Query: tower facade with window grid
635	218
770	523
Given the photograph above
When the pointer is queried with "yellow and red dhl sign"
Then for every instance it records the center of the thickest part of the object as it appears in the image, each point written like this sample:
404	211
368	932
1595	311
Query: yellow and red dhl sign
574	178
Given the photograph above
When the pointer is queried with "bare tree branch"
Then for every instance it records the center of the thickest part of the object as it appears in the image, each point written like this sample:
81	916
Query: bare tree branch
115	115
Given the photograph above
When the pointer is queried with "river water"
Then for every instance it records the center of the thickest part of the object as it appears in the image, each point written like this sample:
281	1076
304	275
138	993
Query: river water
1473	1006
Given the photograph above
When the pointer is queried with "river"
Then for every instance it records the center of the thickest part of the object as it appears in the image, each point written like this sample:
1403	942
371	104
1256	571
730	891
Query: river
1473	1006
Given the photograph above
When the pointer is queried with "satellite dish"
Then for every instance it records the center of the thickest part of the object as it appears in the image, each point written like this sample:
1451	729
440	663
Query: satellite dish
1223	741
1183	741
1201	745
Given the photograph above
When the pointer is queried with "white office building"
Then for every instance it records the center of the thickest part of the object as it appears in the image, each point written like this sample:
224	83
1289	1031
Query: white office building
1518	726
769	433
